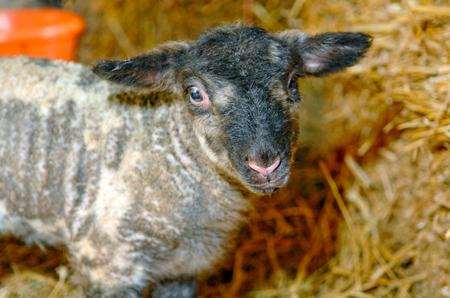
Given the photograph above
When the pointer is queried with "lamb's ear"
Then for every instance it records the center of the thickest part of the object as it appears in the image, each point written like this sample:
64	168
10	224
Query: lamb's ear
328	52
155	70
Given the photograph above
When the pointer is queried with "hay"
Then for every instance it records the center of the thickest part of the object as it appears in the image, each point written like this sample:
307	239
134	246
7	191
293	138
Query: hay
375	148
395	239
394	242
34	285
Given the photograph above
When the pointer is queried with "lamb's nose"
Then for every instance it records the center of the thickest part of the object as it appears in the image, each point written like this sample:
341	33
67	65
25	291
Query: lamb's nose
265	171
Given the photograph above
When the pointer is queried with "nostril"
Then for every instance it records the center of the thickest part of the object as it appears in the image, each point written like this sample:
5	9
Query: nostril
274	165
264	170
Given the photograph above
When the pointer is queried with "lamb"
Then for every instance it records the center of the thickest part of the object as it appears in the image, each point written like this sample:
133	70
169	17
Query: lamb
141	167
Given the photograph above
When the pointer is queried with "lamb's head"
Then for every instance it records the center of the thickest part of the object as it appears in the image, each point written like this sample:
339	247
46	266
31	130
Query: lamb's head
240	84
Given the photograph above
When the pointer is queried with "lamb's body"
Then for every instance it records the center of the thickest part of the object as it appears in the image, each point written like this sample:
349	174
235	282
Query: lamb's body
148	188
122	184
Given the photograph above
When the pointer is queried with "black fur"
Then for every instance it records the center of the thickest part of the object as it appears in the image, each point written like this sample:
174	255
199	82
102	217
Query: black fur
330	52
141	71
257	123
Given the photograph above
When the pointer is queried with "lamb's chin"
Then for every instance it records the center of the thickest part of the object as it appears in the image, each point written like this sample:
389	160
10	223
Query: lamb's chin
267	188
264	191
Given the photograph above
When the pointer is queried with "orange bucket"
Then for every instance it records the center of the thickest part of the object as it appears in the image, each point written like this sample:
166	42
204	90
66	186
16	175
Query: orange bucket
41	32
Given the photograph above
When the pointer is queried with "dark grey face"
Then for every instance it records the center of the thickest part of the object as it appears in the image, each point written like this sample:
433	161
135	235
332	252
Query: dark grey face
240	86
245	75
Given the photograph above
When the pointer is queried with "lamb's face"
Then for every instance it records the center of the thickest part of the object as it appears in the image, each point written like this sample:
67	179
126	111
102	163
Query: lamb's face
240	86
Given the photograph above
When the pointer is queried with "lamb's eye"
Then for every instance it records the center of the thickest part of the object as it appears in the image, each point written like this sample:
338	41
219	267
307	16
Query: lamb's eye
293	89
197	96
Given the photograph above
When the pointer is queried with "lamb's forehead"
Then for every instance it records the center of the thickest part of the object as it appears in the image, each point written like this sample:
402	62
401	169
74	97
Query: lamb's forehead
240	52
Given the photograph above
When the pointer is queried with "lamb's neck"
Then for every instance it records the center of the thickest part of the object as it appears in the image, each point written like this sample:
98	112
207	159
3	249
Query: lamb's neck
186	143
186	170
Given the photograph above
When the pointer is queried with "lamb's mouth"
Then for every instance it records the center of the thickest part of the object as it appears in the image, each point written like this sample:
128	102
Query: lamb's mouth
268	189
270	186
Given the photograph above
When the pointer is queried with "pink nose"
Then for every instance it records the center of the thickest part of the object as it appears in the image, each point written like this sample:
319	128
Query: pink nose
263	170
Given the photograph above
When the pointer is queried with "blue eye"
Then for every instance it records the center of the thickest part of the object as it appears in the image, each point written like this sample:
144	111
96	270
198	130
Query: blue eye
293	89
198	96
195	94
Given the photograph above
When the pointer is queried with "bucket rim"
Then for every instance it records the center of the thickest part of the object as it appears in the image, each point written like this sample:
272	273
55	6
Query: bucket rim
66	23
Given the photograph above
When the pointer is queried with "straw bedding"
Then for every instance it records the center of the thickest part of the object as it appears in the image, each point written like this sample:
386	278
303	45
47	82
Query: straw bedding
367	211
